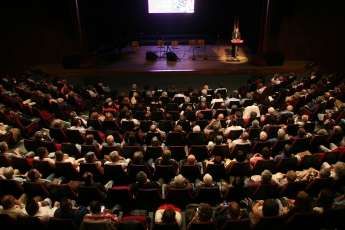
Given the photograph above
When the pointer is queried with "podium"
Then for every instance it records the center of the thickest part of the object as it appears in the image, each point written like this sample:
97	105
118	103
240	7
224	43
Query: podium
235	43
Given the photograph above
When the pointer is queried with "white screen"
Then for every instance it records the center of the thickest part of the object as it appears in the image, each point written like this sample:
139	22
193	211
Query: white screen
171	6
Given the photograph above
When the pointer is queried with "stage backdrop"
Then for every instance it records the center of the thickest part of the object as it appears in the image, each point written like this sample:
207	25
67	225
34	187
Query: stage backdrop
106	20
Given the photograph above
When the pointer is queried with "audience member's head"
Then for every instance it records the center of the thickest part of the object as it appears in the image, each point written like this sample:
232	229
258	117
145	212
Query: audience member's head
266	177
339	170
265	152
110	140
324	173
138	157
234	210
302	202
168	216
95	207
42	152
263	136
8	202
114	156
90	157
89	139
141	177
31	207
88	178
34	175
270	208
59	155
196	129
205	213
179	181
191	159
8	173
325	198
291	176
3	147
207	179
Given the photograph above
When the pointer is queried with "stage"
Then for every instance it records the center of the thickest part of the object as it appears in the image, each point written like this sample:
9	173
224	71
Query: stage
214	59
211	66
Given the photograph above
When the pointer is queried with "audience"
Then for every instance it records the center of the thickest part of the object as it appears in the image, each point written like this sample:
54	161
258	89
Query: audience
206	116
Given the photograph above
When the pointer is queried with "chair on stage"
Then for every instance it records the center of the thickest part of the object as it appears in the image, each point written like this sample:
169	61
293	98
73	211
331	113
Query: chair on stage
174	44
135	46
161	47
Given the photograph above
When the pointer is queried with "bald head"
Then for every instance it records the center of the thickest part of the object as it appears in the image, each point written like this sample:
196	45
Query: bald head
207	179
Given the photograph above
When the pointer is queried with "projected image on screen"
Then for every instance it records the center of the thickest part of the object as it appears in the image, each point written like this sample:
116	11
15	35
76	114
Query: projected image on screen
171	6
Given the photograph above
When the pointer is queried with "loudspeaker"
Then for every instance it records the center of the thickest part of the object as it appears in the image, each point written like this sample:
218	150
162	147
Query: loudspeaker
274	58
151	56
171	56
71	61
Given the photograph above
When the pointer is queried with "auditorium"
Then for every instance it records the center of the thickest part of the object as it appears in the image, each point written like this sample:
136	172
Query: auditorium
172	115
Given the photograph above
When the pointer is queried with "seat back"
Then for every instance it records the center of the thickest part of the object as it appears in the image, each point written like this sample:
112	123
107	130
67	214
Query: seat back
166	227
191	172
74	136
87	194
222	150
178	152
262	165
116	174
28	222
66	170
276	222
199	151
153	152
120	195
175	138
33	189
92	168
290	190
21	164
4	161
58	224
148	199
243	224
179	196
11	187
70	149
133	169
239	169
310	220
217	171
43	167
210	195
167	172
287	164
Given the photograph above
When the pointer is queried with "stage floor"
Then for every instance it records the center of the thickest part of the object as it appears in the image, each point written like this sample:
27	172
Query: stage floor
213	60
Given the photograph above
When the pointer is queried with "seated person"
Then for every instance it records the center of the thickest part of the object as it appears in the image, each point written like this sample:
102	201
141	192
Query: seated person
180	181
202	215
42	154
116	159
97	214
90	158
266	208
142	182
166	159
42	209
12	207
263	155
109	141
67	210
64	157
207	181
168	214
